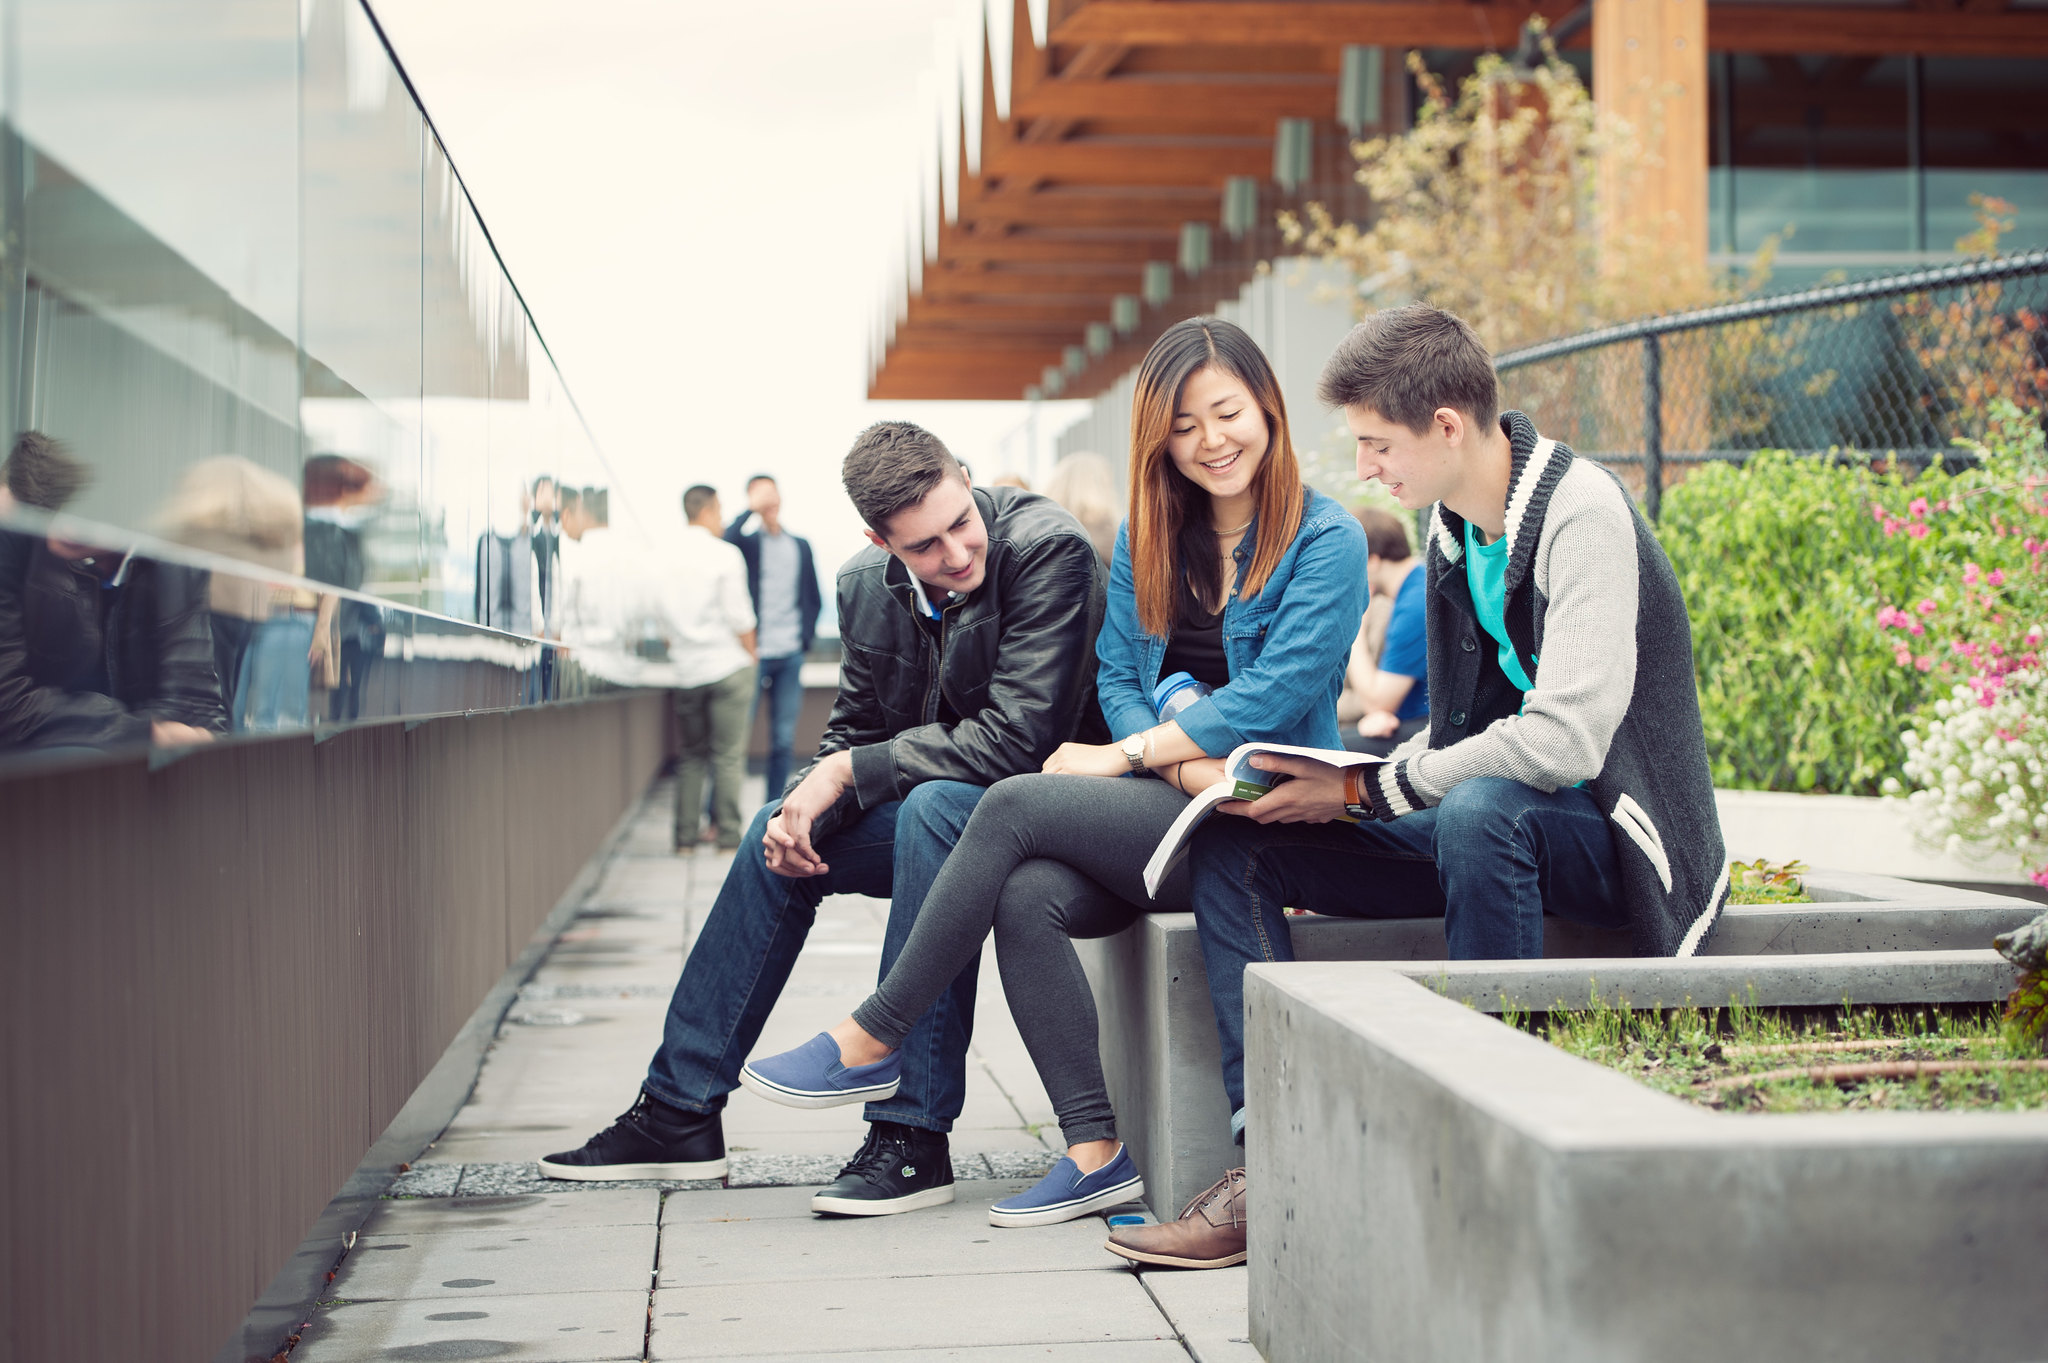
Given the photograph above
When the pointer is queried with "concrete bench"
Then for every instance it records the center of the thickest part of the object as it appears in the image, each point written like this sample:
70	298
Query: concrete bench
1159	1047
1429	1184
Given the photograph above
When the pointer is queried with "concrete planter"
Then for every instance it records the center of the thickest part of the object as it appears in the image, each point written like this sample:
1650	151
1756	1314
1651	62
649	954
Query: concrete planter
1159	1048
1430	1184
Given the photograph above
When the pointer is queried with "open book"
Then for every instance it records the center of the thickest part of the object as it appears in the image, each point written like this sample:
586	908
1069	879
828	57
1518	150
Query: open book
1241	781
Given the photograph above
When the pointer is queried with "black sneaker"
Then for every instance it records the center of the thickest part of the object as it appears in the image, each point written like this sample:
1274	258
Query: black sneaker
898	1169
651	1140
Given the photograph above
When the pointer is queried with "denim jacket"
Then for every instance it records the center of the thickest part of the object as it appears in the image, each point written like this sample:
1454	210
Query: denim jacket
1286	647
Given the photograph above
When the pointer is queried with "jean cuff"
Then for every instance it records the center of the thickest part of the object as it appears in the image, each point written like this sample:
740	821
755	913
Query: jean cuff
920	1120
1237	1127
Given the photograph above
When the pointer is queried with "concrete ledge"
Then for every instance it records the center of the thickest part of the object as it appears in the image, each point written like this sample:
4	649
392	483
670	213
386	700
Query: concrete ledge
1163	1064
1430	1184
1874	977
1851	830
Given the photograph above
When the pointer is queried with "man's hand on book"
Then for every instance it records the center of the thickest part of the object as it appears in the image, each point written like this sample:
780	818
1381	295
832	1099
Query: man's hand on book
1315	795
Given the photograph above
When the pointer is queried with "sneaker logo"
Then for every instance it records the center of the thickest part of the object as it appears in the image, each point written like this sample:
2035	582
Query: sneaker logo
910	1171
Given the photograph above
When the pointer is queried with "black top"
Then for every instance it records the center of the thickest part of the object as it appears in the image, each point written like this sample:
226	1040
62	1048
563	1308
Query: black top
1196	647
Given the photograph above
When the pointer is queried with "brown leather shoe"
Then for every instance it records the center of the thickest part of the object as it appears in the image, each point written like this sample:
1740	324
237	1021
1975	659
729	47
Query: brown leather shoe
1209	1233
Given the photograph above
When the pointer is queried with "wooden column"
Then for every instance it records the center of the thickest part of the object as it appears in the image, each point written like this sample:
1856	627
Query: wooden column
1650	66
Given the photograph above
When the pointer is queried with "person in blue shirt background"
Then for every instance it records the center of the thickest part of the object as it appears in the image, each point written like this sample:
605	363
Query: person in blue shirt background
1395	693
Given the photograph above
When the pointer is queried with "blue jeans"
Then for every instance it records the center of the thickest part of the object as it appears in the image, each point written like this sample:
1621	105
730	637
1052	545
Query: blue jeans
756	928
1493	858
782	684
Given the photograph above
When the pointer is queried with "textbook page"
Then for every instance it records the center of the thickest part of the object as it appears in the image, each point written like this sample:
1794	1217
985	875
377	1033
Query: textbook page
1241	781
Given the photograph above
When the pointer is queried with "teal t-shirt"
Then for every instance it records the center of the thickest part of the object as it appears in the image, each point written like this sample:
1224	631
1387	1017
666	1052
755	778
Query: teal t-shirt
1486	574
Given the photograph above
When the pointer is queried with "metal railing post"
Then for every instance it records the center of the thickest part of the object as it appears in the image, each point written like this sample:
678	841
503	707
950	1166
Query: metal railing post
1653	425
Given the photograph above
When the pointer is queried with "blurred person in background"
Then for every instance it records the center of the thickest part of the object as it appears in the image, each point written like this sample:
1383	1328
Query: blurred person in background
1086	485
782	580
341	498
712	649
1009	479
98	648
263	634
1388	678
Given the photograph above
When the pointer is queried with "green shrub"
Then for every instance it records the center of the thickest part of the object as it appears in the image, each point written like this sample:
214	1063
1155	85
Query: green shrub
1784	568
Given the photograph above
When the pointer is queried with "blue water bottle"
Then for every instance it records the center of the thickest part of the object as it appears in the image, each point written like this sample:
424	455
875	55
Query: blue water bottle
1176	692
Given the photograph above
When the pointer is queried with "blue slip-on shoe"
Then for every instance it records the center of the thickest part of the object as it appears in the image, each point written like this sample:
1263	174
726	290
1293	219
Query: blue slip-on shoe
1067	1193
811	1076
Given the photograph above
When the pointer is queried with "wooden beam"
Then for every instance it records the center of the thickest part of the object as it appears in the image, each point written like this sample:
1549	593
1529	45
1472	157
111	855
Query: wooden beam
1187	102
1063	313
1204	161
1495	24
1070	282
1650	66
1134	247
1054	208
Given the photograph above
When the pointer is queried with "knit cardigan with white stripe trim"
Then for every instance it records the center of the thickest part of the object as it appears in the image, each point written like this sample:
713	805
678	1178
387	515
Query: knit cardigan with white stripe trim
1595	615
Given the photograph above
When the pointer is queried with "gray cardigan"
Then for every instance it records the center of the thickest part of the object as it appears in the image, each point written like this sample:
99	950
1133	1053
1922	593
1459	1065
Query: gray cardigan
1595	614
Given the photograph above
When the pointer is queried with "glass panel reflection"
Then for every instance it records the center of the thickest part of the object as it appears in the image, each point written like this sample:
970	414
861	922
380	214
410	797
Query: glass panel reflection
286	449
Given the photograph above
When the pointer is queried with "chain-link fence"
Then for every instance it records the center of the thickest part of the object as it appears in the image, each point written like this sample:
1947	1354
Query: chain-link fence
1906	364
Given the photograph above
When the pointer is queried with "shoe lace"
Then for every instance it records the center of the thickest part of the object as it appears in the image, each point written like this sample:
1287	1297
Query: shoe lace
1229	1188
875	1153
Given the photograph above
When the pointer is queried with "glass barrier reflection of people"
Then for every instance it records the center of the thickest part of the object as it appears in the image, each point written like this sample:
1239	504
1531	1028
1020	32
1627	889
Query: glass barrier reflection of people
348	635
98	648
1086	485
264	644
711	645
782	579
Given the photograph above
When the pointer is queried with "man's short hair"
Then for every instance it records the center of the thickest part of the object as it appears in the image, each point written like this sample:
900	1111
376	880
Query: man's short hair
1385	536
1406	362
894	465
43	473
762	478
696	499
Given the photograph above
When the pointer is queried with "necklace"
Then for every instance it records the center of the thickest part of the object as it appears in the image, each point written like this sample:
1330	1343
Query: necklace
1233	530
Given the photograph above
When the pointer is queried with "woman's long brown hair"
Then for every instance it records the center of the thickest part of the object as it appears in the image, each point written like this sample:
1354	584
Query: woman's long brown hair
1171	537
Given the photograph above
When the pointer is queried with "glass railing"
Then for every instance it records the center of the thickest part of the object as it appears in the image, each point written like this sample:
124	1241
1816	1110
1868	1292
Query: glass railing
259	360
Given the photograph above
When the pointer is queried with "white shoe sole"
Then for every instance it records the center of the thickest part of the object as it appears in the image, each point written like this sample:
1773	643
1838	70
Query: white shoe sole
775	1093
622	1173
1129	1191
910	1202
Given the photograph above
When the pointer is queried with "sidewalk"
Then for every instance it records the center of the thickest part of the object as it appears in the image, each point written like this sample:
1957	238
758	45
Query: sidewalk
477	1257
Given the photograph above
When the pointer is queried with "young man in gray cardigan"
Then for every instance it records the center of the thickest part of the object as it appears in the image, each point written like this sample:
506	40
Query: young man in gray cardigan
1564	771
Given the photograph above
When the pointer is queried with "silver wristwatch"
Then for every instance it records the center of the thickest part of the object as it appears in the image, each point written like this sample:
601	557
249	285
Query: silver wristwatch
1134	751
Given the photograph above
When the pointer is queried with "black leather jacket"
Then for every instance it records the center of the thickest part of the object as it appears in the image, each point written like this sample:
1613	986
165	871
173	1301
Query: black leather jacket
1014	661
86	665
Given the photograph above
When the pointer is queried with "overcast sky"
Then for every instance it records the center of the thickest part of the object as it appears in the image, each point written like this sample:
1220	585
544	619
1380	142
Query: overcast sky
699	202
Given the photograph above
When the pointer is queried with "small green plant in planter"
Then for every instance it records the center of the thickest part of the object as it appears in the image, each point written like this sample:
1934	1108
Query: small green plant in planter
2026	1008
1749	1059
1767	882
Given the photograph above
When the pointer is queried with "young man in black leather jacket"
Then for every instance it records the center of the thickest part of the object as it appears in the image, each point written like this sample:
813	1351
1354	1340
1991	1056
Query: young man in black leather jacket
968	634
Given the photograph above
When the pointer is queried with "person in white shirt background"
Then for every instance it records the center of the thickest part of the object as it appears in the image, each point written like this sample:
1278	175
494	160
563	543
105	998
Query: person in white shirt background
710	628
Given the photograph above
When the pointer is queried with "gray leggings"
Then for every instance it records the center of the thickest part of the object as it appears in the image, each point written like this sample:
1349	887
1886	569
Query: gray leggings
1044	860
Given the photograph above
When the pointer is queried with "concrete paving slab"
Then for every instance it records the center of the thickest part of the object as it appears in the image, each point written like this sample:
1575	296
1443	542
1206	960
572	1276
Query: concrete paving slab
1208	1309
718	1205
897	1314
939	1241
505	1260
1119	1351
559	1327
466	1215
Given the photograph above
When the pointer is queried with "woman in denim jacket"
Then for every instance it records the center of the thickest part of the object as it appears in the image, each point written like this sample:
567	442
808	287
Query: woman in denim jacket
1229	570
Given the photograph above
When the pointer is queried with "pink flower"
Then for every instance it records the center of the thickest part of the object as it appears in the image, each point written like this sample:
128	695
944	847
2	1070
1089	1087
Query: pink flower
2034	635
2040	877
1918	530
1925	662
1917	508
1916	628
1941	505
1971	572
1891	527
1902	655
1997	578
1927	606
